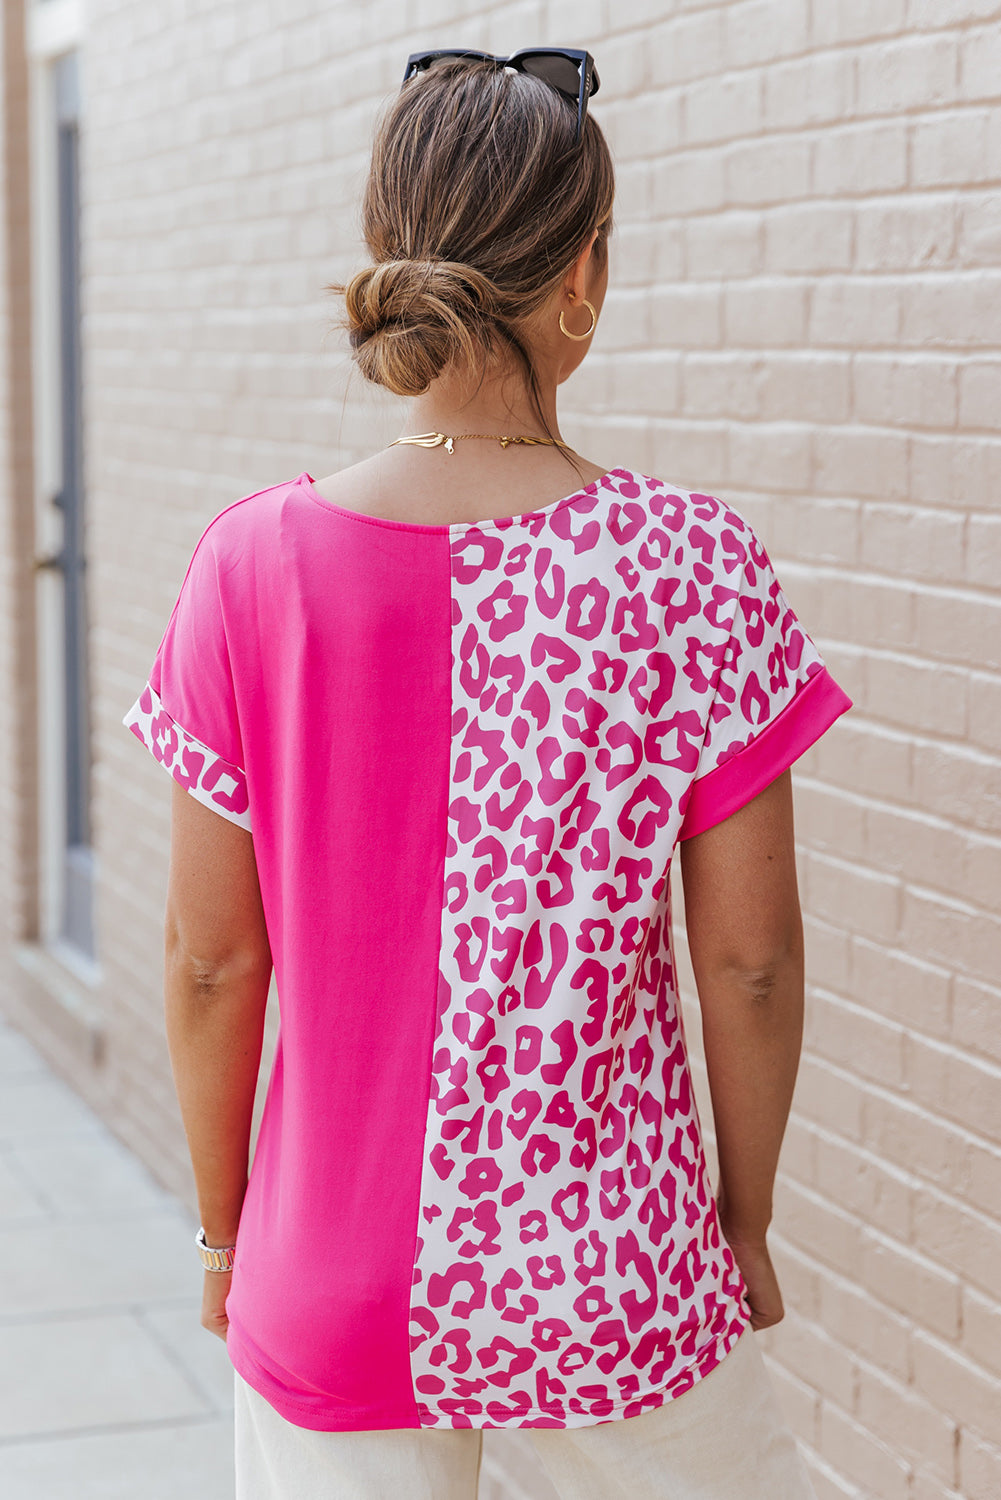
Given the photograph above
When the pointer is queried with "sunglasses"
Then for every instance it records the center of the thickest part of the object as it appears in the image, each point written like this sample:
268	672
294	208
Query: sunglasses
570	72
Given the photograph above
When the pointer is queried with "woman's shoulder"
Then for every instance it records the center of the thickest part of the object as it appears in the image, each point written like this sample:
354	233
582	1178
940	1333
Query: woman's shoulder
693	514
238	521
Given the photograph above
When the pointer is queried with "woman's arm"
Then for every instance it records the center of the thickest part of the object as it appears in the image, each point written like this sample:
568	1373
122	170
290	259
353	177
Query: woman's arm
217	970
745	936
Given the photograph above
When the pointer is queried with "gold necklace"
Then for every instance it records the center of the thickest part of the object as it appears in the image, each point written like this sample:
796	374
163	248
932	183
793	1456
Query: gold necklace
436	439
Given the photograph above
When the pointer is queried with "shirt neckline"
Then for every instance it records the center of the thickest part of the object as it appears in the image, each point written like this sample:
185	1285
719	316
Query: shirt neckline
307	483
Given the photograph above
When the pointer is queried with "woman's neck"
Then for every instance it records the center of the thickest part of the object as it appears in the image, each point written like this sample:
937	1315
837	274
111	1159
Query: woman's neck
498	404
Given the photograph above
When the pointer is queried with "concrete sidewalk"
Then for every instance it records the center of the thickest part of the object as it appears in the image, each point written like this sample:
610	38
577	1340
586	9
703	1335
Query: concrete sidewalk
109	1387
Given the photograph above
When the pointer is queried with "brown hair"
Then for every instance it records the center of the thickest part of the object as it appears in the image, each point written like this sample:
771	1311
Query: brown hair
478	202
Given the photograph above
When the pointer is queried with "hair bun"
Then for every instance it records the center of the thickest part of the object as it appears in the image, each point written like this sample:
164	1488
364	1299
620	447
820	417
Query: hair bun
408	319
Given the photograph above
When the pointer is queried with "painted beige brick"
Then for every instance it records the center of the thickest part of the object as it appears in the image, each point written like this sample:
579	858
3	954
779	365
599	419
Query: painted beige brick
901	1277
812	237
955	1384
906	392
928	1486
961	309
985	726
901	987
965	1089
808	90
805	318
983	550
979	239
980	62
854	312
686	316
979	392
626	62
829	1095
825	1230
966	1240
868	1328
798	1151
954	149
686	48
724	245
927	544
908	691
979	1467
914	1140
644	127
981	1337
717	383
982	866
866	158
634	248
912	233
959	471
829	947
975	1010
775	169
799	1277
877	609
934	15
922	1434
872	753
800	1405
691	182
778	454
766	314
722	109
860	1455
808	386
919	72
808	1350
878	1194
762	30
840	824
854	1038
955	625
647	384
979	1170
856	20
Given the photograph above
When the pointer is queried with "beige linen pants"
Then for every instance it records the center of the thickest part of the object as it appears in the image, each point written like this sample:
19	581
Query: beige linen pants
725	1439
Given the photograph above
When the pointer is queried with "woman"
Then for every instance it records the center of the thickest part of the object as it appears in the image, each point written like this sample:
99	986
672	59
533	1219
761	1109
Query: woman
456	721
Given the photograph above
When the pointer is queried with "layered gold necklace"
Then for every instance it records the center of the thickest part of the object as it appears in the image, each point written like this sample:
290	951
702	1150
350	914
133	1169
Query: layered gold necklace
441	439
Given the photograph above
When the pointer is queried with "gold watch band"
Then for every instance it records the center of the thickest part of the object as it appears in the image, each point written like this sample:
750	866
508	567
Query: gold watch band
215	1258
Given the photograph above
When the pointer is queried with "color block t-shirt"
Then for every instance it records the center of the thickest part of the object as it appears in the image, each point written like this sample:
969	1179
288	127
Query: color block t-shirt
466	755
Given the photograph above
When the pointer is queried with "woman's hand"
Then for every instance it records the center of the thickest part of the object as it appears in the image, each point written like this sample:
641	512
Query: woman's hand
763	1294
214	1294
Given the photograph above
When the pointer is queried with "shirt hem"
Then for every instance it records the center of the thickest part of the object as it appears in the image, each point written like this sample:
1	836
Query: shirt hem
733	783
210	778
367	1420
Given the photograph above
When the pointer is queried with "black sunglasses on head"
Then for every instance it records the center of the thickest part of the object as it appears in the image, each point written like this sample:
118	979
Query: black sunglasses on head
570	72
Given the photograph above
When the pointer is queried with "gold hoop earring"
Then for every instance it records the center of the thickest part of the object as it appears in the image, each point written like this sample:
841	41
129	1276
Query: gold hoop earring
578	336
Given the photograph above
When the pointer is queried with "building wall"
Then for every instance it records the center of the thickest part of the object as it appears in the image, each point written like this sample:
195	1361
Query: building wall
804	317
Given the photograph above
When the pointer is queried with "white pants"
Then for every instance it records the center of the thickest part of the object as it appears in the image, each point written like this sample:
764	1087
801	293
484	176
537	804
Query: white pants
724	1439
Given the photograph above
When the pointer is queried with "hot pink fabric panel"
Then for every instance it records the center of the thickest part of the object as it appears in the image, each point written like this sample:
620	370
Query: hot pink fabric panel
347	627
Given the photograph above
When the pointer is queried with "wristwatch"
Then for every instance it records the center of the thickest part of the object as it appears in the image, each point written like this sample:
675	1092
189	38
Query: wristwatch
215	1259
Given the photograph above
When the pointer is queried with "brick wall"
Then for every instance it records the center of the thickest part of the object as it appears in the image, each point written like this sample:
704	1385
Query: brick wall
804	317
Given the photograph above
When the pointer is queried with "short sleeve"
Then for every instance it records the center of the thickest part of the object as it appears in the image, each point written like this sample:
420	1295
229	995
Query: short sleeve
774	697
186	713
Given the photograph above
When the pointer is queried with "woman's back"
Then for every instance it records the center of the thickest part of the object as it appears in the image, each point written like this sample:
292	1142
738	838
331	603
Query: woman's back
466	753
468	488
466	707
